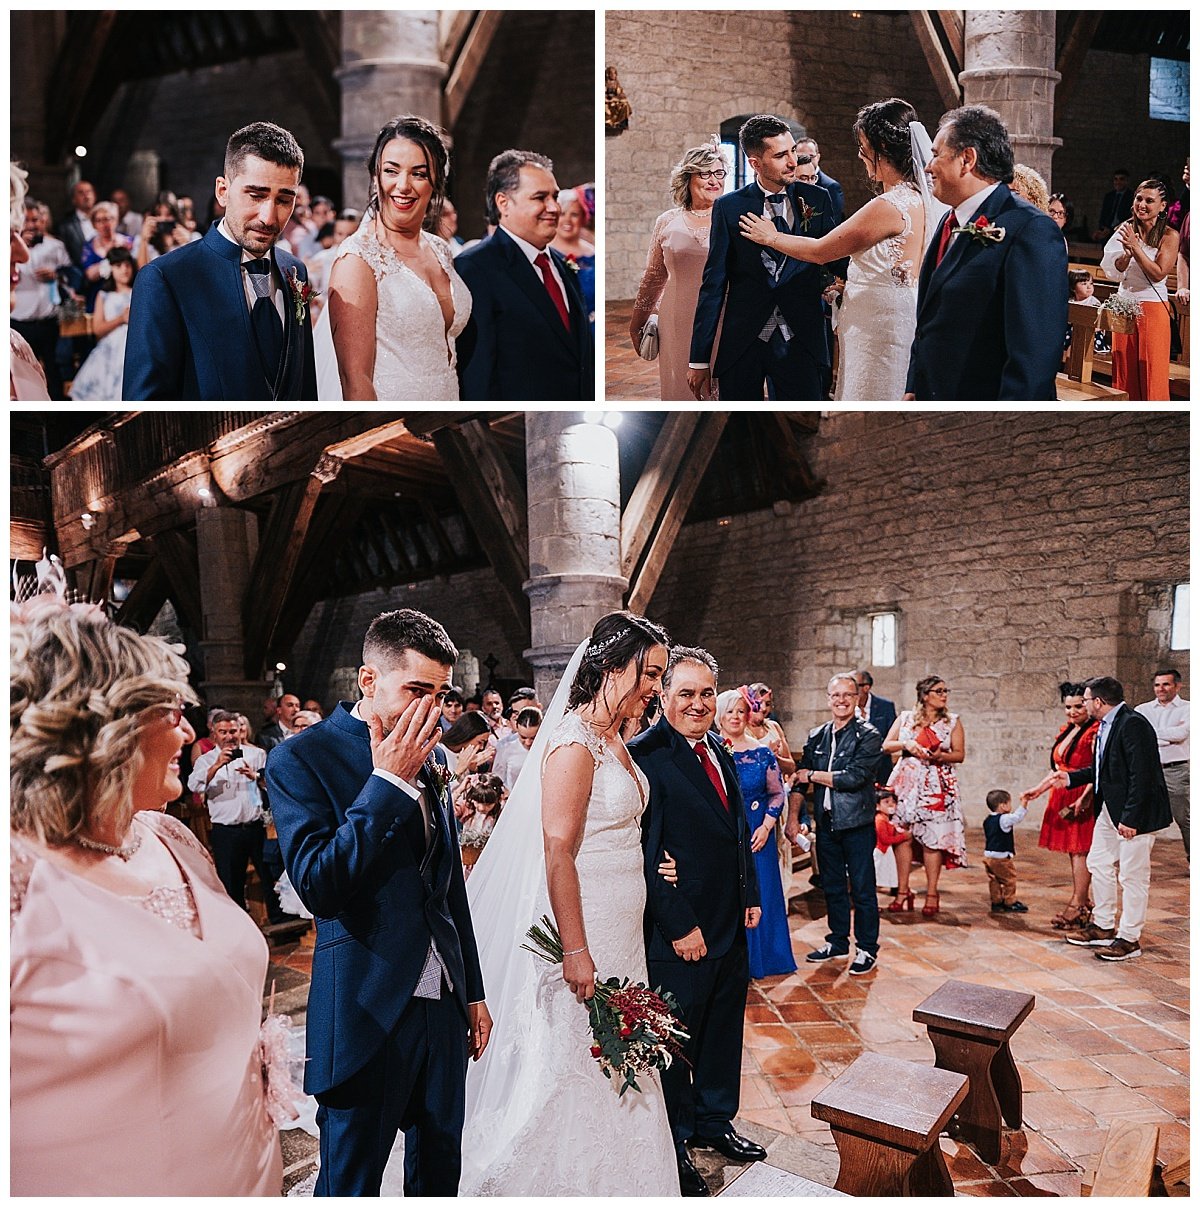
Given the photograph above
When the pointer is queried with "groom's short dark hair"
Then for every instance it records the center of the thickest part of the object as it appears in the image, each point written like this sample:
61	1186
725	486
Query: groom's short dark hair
391	633
266	140
756	130
982	128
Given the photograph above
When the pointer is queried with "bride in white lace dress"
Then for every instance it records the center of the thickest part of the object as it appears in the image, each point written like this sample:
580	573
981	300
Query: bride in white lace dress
542	1119
396	305
885	241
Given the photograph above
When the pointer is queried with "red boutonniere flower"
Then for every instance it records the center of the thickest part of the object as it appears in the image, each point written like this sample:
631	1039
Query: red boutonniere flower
302	295
573	264
807	214
982	230
727	746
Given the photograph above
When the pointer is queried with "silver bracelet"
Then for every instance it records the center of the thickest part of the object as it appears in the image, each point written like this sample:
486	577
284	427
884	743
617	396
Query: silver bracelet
578	951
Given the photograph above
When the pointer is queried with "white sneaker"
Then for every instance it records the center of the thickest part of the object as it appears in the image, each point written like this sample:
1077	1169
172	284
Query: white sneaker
862	964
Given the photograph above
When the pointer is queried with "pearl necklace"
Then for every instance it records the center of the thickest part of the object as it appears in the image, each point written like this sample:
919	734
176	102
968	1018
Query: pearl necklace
125	853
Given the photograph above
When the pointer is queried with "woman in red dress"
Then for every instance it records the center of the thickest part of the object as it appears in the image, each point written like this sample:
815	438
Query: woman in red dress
1070	813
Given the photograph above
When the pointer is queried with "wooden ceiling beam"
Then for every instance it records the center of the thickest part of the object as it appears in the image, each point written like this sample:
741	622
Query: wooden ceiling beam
649	496
80	83
494	503
1071	58
691	471
801	480
928	28
467	66
175	551
145	598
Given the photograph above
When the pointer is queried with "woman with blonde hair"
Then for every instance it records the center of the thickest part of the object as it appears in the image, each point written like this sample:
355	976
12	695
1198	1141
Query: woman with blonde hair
1027	182
930	741
670	284
135	982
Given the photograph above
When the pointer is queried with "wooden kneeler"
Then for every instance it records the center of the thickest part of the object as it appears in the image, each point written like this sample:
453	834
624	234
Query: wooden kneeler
886	1116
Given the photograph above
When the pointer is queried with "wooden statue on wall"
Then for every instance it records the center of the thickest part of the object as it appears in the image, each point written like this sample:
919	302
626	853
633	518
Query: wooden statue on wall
617	109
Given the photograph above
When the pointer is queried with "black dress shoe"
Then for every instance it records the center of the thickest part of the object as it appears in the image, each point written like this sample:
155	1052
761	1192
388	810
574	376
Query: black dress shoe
691	1184
733	1146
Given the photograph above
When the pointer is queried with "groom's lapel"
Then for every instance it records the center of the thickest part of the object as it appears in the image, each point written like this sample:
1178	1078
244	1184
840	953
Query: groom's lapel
291	332
232	314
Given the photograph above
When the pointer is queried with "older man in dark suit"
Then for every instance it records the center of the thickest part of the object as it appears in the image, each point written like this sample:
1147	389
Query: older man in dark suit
396	1001
989	310
876	711
695	930
528	339
1132	806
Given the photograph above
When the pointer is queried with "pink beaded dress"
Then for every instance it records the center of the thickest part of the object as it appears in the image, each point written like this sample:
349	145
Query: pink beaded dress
135	1065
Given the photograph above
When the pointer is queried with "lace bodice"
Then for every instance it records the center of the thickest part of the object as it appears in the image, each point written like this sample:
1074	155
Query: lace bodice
676	238
892	261
415	355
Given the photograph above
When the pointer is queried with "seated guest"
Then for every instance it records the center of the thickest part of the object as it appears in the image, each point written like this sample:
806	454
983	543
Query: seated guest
1116	206
122	1020
99	377
1082	288
94	260
1062	210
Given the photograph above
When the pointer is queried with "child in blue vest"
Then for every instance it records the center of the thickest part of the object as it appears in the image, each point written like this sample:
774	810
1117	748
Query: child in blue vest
999	854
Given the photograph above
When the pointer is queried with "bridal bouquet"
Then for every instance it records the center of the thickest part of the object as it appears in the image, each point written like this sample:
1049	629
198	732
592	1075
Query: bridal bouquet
634	1028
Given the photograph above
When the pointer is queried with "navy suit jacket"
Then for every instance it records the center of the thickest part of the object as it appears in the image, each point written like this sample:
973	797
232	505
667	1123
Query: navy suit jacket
1131	784
736	278
354	847
70	231
515	347
990	317
834	189
882	715
190	337
710	844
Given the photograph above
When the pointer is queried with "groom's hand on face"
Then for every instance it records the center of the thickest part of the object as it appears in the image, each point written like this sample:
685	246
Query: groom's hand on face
403	751
691	946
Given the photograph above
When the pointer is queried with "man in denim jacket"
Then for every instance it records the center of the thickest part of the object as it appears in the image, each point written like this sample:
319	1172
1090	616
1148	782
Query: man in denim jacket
839	760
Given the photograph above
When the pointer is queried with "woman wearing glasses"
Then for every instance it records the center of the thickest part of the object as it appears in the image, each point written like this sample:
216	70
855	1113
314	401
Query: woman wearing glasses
678	251
929	739
135	982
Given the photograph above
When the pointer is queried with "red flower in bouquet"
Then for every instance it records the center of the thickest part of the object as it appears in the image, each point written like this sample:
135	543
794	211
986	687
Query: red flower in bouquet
634	1029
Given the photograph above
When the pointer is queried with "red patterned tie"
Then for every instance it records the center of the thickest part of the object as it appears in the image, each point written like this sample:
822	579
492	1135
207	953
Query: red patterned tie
710	769
944	241
542	262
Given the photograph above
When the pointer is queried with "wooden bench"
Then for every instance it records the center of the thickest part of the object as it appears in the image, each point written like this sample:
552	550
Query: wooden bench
969	1027
886	1116
1126	1166
1076	384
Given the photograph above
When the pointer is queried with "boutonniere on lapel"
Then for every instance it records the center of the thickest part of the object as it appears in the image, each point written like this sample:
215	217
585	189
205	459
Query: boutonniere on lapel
572	264
727	746
806	212
302	295
982	230
439	777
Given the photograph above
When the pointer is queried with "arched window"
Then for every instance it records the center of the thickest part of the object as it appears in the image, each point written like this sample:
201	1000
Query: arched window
733	151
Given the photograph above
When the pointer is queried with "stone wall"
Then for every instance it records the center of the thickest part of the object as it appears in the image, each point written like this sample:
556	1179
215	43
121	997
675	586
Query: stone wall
1019	550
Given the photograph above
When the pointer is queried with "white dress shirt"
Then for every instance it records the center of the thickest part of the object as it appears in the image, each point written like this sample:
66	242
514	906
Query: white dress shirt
964	212
1173	724
510	758
232	799
531	253
247	287
34	299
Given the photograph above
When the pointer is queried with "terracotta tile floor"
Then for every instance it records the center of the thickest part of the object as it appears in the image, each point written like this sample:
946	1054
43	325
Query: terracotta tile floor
627	378
1104	1042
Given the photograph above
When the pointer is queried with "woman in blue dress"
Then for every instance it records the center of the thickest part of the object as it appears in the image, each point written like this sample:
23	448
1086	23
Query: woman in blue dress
763	798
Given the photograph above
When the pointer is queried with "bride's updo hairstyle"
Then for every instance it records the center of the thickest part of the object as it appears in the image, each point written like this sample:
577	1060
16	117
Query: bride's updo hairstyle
432	141
617	640
884	124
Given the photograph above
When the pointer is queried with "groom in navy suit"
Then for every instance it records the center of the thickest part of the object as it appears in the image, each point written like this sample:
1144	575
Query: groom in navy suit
220	319
529	338
773	328
396	1005
991	305
696	929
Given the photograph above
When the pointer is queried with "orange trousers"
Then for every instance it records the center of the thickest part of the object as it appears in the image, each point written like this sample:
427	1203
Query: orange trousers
1142	361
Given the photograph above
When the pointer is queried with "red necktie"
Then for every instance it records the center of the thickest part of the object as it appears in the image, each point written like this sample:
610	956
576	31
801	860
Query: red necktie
542	261
944	241
710	769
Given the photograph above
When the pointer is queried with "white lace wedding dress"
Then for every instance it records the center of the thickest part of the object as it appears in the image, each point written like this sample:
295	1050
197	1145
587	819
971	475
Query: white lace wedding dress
415	355
878	314
550	1123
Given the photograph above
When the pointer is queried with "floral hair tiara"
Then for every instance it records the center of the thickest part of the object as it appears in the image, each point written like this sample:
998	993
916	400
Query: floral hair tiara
597	649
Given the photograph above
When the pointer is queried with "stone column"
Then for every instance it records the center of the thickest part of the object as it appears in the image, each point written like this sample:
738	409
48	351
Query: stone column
574	488
390	65
227	539
1008	63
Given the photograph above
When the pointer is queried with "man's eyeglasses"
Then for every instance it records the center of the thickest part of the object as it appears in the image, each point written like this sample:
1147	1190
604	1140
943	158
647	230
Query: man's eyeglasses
713	174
